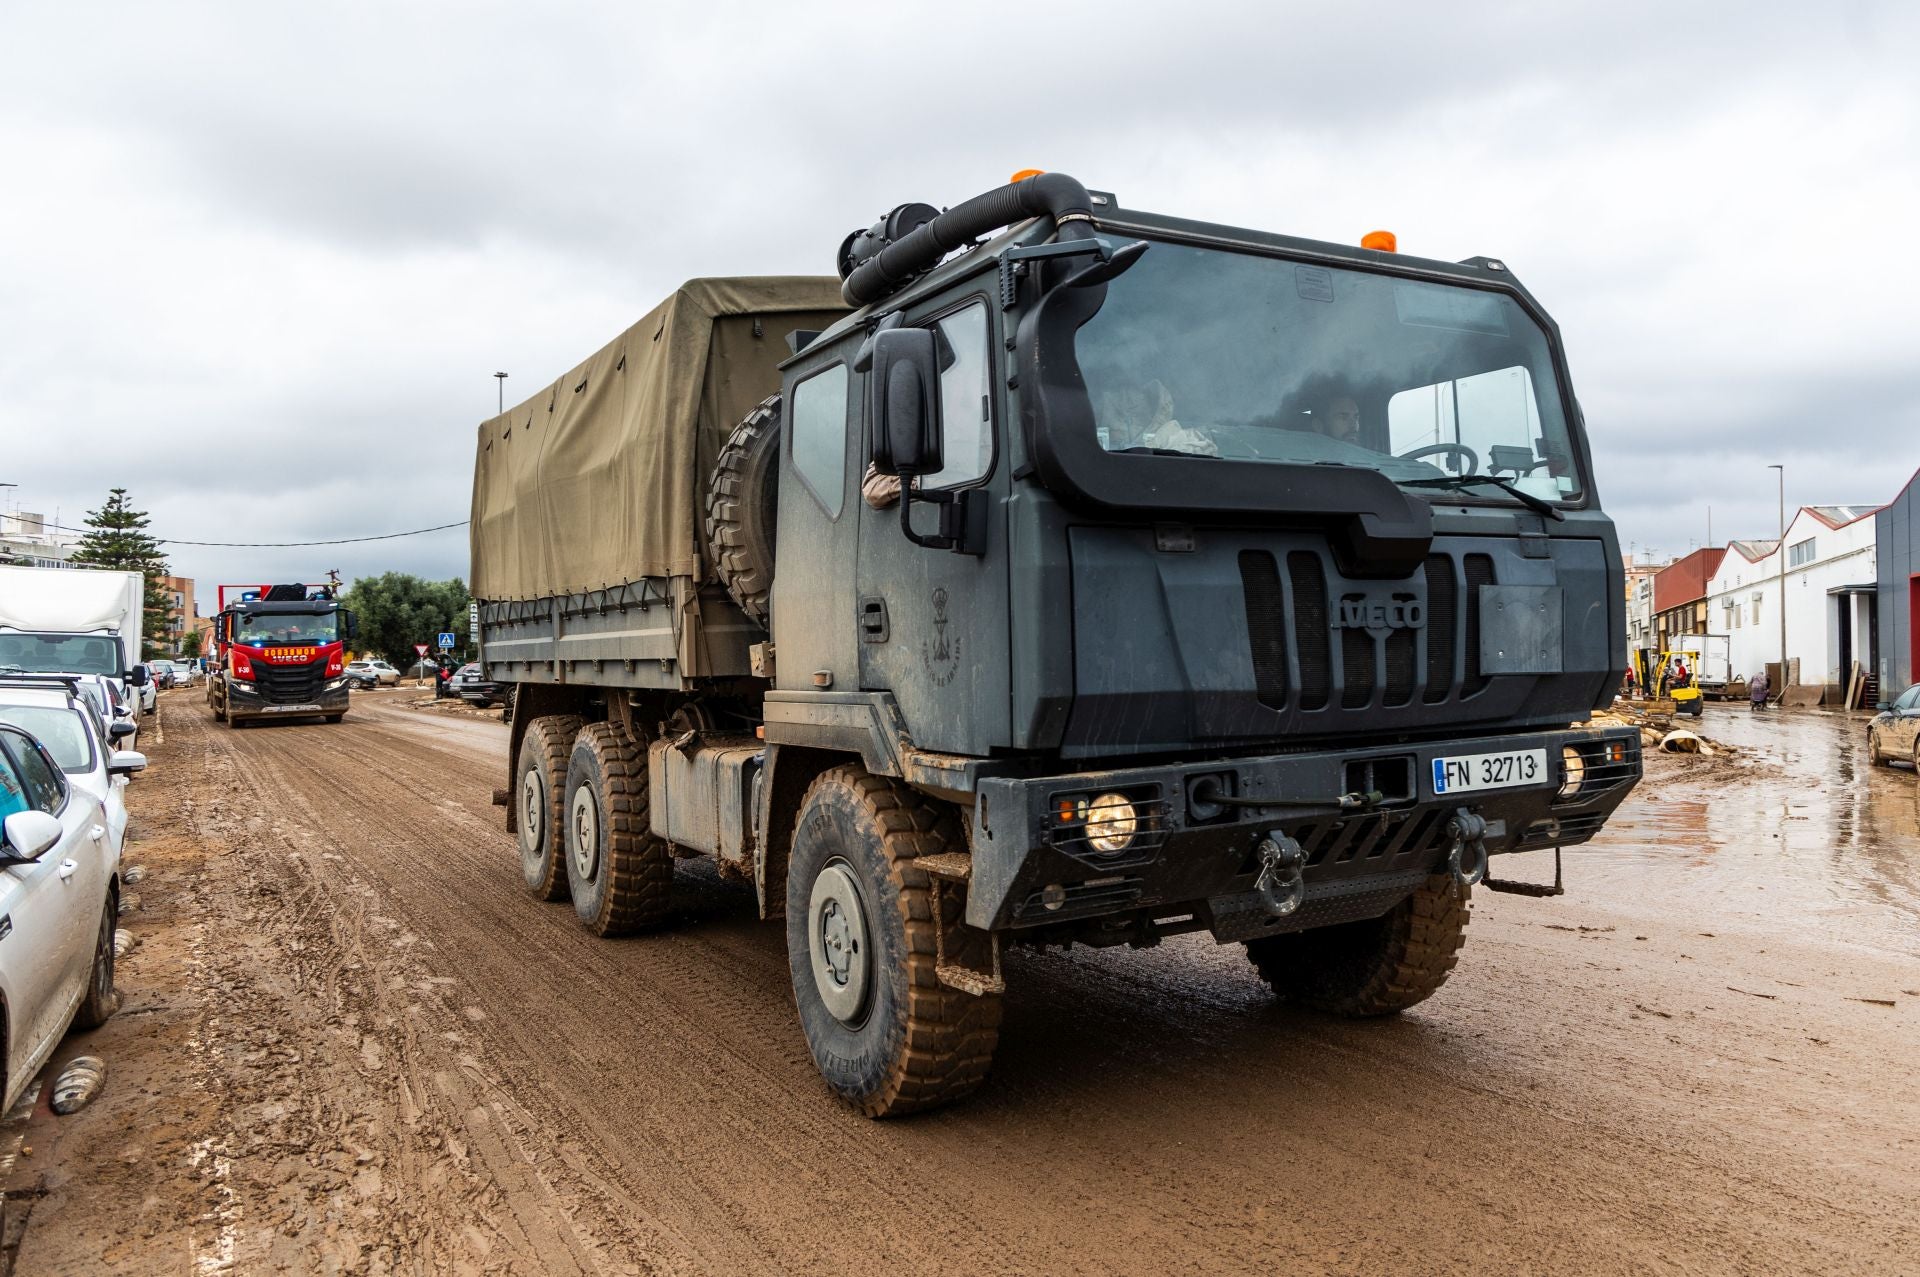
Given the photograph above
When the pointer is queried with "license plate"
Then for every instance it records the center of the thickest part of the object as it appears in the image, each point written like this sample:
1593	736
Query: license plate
1464	772
290	709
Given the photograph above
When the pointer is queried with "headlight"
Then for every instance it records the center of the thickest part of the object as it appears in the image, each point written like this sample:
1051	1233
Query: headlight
335	684
1111	823
1576	765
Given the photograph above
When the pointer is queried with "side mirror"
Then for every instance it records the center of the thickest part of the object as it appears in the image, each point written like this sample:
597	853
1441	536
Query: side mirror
120	729
903	403
352	623
125	762
30	834
137	676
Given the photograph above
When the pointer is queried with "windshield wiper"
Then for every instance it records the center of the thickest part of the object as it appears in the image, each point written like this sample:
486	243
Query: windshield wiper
1456	481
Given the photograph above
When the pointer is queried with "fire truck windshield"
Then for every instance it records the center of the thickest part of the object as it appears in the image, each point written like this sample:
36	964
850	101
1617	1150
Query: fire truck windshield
286	629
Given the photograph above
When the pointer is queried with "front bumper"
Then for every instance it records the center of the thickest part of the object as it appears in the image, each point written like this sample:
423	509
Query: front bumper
244	701
1029	871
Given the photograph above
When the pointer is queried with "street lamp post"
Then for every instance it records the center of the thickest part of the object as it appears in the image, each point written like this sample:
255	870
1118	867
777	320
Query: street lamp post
1781	550
501	379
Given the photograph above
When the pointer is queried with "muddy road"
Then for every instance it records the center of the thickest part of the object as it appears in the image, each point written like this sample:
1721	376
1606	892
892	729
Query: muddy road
351	1043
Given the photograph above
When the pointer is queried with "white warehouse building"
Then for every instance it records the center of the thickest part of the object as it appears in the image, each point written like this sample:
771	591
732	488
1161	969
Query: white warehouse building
1829	588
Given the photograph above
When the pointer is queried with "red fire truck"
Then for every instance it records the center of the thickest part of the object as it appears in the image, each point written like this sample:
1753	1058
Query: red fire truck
280	653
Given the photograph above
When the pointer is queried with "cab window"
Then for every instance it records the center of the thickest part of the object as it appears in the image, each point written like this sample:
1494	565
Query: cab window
818	425
965	413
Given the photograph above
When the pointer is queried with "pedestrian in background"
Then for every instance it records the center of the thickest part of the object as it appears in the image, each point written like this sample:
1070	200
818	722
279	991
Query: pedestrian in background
1757	690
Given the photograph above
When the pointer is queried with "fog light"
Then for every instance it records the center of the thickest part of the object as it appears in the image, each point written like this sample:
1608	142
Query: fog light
1576	765
1111	823
1052	896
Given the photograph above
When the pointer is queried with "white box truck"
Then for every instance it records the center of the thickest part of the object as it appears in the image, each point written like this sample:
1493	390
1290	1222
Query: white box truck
71	621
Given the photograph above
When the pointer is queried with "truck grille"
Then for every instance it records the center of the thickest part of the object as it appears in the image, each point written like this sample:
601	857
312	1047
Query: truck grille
1297	652
288	684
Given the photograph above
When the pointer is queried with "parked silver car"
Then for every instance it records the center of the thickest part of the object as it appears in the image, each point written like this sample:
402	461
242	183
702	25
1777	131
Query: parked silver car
1894	733
59	894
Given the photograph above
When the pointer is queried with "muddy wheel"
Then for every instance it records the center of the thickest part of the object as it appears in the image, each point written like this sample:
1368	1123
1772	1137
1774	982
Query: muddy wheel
101	1001
334	718
887	1037
1874	757
1376	966
619	874
740	509
1916	755
540	796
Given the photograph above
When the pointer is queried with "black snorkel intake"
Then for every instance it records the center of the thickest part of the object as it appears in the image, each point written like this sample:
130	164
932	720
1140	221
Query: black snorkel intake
912	239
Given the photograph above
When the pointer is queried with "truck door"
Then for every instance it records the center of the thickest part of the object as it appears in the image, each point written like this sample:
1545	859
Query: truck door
933	624
820	460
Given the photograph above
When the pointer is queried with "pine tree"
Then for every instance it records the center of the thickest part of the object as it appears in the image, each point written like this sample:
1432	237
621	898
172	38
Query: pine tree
119	542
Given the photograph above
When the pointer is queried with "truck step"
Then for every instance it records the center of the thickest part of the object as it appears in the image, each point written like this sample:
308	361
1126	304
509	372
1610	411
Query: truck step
967	980
954	866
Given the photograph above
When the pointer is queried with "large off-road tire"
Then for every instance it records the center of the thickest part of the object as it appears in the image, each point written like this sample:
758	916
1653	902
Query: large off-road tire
885	1034
101	1001
1376	966
618	873
540	799
741	500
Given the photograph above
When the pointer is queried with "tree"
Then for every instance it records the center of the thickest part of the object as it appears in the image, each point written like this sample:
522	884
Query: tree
397	610
119	542
190	644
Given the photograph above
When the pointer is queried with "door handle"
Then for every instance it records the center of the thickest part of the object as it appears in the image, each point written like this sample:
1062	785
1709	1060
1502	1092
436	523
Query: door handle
66	869
97	832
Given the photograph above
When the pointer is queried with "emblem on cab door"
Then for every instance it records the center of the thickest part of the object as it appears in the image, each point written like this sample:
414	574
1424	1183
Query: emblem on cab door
940	654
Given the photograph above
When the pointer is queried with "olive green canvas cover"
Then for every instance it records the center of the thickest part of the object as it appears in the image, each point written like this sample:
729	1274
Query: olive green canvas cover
600	479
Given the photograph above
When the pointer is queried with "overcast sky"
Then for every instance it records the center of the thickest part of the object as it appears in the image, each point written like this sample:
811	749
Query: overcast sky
259	262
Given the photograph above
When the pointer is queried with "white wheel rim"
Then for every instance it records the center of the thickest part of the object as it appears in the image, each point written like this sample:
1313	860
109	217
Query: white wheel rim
838	943
533	811
583	833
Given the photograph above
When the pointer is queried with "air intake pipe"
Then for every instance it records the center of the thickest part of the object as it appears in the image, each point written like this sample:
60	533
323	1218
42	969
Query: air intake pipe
879	273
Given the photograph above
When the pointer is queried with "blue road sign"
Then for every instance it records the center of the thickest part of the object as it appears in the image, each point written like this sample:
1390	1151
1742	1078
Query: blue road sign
446	641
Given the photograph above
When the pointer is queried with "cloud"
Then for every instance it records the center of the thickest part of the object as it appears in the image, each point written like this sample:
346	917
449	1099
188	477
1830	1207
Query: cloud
260	263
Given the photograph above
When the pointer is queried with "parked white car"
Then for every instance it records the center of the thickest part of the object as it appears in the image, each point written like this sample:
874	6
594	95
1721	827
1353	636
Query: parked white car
371	673
110	705
59	893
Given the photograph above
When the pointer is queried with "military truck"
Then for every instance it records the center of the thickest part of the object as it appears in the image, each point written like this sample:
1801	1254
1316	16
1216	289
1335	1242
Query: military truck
1060	574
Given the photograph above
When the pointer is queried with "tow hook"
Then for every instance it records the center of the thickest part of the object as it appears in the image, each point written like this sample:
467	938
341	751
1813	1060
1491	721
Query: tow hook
1283	866
1467	860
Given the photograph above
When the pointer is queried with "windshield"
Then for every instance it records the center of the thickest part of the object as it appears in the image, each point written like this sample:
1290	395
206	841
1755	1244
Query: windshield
1199	352
286	629
60	654
62	731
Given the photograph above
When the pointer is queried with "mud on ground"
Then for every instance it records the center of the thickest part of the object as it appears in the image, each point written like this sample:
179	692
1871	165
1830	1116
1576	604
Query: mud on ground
350	1044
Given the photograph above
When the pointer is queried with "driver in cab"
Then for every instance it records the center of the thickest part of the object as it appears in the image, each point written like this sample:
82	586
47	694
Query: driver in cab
1338	418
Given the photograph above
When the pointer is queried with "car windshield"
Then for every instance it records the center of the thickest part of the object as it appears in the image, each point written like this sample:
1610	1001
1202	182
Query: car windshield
61	730
286	629
1204	353
60	654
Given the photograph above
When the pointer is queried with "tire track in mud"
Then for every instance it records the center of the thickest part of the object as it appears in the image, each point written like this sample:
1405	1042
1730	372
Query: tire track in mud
533	1099
718	1049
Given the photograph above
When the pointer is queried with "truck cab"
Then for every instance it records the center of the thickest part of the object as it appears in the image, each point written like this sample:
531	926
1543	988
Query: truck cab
281	654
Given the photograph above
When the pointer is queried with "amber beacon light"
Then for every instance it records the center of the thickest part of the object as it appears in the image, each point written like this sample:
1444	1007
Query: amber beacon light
1382	240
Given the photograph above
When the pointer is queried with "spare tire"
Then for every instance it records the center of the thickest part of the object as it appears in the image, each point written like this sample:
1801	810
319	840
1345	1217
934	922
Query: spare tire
741	504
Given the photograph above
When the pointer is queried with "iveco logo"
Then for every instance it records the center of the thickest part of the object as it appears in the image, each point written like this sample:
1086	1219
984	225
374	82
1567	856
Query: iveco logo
1401	612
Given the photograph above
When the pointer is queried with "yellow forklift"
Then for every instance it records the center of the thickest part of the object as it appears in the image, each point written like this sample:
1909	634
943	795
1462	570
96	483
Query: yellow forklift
1663	681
